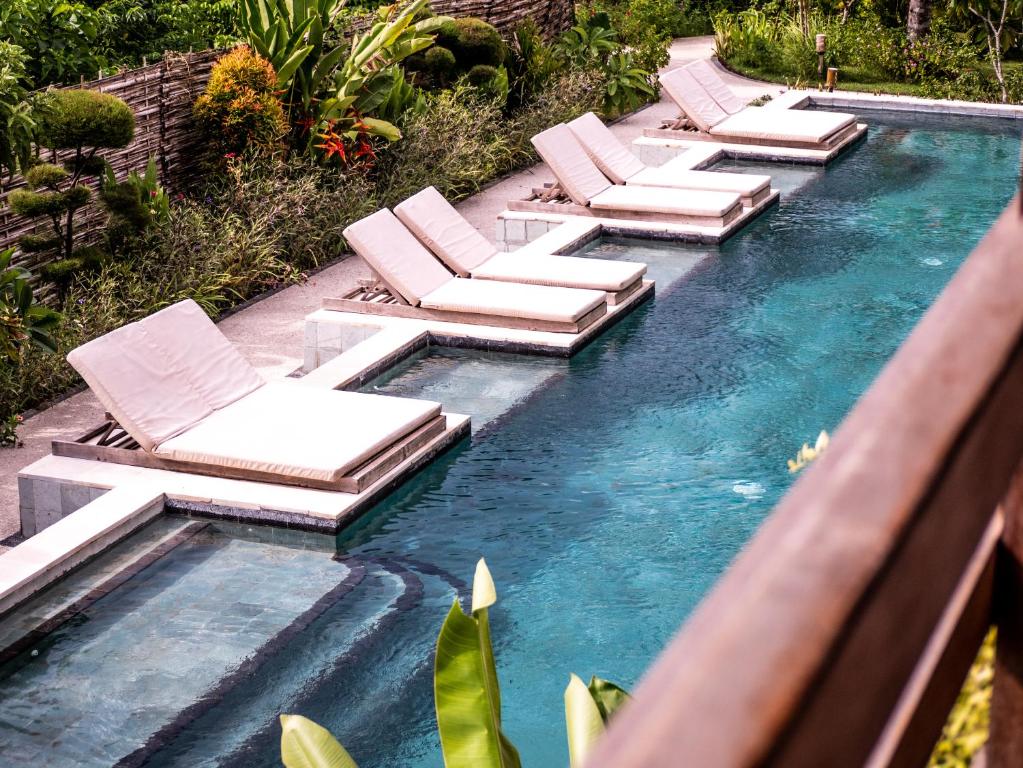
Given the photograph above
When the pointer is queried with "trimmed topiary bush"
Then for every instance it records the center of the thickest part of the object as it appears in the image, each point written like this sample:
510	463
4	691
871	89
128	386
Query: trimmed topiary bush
240	110
83	121
440	62
473	42
80	118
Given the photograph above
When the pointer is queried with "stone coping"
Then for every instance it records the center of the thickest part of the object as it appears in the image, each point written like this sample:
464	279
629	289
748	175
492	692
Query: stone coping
43	559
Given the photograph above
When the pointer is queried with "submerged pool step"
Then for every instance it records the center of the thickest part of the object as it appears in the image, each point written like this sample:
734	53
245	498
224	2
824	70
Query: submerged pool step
239	716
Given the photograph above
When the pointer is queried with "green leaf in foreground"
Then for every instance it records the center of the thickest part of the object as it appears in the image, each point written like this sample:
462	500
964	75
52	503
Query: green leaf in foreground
304	744
583	721
466	690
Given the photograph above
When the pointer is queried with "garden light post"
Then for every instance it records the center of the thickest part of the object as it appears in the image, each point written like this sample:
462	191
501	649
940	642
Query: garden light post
822	46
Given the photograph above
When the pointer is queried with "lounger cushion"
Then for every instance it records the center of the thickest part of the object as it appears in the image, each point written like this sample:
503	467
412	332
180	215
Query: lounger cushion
566	271
611	156
394	253
707	76
530	302
682	202
431	218
301	432
579	177
163	374
698	105
783	125
745	184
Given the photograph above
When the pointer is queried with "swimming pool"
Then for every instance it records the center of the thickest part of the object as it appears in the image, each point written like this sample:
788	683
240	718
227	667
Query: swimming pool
607	493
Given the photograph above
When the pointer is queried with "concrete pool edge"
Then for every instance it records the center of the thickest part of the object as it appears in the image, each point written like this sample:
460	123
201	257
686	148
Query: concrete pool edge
72	541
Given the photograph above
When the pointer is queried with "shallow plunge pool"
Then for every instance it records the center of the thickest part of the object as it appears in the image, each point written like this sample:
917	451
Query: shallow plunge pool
607	493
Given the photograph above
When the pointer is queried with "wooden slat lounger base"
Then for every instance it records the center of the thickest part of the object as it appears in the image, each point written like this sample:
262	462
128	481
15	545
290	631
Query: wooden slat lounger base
566	207
550	190
837	140
379	301
109	442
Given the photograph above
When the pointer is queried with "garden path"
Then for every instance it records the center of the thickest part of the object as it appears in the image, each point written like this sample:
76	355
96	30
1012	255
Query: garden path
269	332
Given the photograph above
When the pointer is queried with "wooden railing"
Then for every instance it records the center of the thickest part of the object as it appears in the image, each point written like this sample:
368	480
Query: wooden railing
842	634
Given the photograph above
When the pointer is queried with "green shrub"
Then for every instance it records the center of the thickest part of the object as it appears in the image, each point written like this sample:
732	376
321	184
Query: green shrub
472	41
38	243
942	54
45	175
78	118
61	271
23	322
456	162
15	113
440	61
240	111
59	38
531	63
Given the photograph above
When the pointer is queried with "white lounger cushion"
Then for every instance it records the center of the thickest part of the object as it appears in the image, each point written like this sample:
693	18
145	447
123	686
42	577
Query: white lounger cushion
682	202
783	125
436	222
709	78
585	184
394	253
739	183
622	167
301	432
573	168
611	156
530	302
568	271
686	91
162	374
431	218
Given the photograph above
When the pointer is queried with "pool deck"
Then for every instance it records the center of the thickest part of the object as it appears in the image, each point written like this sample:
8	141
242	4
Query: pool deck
270	332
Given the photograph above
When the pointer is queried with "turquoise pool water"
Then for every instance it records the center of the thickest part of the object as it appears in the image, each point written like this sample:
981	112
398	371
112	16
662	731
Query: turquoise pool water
607	492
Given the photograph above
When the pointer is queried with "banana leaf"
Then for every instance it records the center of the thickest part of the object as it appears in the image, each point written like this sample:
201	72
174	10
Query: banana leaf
607	696
583	721
304	744
466	690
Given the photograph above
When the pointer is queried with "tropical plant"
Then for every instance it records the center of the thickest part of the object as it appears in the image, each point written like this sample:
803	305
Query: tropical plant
290	35
627	87
83	121
239	110
532	63
584	44
23	321
16	123
806	454
467	697
588	709
365	79
133	206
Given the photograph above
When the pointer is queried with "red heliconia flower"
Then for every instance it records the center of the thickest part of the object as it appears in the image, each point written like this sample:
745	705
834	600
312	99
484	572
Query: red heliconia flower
365	149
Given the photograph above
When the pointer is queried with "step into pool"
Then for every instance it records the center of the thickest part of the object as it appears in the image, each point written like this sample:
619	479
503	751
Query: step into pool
607	492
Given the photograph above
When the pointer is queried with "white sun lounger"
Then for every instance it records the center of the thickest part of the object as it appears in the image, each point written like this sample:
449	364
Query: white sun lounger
594	195
720	115
421	287
432	219
622	167
189	402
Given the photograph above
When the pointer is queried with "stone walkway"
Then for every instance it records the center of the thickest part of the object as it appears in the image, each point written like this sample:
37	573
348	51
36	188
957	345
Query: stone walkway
270	332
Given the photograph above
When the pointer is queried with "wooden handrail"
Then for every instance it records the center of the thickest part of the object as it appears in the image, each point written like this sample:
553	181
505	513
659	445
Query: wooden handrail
841	634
